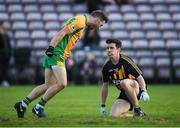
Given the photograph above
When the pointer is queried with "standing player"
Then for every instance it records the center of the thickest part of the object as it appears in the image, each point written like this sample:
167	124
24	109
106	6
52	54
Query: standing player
5	53
54	60
127	77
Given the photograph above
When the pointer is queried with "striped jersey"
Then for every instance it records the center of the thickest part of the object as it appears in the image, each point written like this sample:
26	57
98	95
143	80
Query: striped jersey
124	69
76	26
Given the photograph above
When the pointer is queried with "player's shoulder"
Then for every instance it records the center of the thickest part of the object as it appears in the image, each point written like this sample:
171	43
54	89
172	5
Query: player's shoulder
80	19
106	63
126	58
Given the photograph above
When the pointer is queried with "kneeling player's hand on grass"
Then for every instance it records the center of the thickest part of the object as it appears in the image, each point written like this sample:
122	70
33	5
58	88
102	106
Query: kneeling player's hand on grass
50	51
144	96
103	110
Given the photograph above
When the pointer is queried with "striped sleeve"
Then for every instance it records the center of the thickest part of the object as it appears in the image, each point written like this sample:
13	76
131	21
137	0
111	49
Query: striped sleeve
105	76
131	67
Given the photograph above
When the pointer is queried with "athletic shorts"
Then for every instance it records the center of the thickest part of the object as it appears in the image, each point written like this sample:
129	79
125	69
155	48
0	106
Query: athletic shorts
52	61
123	96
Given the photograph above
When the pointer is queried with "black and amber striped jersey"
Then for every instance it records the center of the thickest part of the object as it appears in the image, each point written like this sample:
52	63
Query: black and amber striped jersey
124	69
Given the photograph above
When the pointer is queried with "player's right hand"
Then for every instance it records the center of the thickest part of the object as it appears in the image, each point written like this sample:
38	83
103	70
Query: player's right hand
50	51
103	110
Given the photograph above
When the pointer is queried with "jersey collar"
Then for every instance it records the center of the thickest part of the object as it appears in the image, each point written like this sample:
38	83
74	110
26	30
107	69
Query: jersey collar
86	19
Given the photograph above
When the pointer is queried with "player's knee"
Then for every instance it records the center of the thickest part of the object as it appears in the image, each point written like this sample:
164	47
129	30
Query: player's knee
136	85
62	85
115	114
125	84
44	86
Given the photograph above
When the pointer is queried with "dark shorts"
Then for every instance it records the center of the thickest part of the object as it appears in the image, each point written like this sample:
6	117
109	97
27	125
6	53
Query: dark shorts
123	96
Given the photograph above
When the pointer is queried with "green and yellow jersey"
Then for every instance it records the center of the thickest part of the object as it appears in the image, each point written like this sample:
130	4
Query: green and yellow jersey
62	50
76	26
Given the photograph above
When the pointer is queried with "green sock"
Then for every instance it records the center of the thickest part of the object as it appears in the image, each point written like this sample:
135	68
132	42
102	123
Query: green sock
27	101
42	102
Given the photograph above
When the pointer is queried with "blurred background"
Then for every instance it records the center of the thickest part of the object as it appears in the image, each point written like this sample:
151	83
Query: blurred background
148	29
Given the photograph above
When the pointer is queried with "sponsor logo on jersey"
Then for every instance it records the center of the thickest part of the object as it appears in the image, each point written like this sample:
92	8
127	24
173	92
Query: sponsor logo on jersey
73	27
116	82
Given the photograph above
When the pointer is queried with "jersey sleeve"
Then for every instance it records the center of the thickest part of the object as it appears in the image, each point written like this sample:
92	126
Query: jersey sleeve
105	77
132	68
75	24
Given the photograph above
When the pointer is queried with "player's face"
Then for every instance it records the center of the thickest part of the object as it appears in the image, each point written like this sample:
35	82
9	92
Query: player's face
112	50
97	24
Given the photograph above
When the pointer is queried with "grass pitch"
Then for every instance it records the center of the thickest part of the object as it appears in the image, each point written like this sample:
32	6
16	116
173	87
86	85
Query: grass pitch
78	106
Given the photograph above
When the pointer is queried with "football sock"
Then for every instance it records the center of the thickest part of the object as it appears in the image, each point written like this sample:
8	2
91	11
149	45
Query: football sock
137	109
42	102
26	102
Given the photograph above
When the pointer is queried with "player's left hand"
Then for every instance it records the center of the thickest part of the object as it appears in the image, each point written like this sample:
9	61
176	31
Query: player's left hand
49	52
144	96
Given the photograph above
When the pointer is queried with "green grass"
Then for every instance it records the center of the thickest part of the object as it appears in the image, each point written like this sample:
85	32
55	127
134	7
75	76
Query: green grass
79	106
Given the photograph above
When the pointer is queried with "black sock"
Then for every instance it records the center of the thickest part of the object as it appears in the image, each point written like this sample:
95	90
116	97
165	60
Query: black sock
137	109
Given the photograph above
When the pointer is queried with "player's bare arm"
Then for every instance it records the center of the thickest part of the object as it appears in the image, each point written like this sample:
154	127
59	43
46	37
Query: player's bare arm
141	82
104	92
104	95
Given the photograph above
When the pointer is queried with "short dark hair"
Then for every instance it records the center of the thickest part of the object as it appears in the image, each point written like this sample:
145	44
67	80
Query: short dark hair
115	41
100	14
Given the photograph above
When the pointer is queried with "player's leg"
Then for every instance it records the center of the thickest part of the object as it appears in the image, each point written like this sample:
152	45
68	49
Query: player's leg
41	89
35	93
137	111
131	92
131	89
61	78
50	80
120	108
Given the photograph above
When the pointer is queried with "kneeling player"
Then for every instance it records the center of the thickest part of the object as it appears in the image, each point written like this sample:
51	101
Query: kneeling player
127	77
